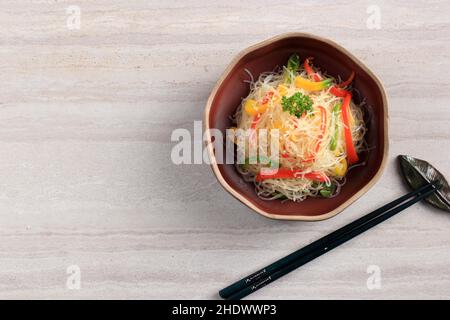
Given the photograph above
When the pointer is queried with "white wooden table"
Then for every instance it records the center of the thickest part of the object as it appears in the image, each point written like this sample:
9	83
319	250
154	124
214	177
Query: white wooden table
86	179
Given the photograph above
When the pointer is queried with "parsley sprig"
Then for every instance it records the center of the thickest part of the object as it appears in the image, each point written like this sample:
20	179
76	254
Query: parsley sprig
297	104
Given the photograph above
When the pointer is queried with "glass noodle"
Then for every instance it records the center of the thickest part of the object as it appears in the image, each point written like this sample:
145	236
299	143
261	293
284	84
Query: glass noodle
311	145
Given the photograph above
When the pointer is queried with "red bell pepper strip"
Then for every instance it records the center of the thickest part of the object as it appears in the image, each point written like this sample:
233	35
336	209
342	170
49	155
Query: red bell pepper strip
285	173
267	97
310	72
252	137
351	152
307	67
334	90
338	92
348	81
284	154
255	121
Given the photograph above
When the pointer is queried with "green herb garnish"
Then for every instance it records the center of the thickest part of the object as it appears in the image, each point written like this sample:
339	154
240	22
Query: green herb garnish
297	104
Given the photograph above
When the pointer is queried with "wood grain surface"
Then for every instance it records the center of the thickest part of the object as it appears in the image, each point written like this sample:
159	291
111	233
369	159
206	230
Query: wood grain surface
87	179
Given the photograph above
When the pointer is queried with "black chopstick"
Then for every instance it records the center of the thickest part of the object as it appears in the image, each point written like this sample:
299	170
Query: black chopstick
279	268
331	245
254	277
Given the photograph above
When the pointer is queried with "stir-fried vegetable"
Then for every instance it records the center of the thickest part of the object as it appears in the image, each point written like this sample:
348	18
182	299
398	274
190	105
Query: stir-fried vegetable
255	109
309	70
293	63
267	97
292	66
335	136
350	147
252	108
282	90
338	92
309	85
327	191
340	169
334	90
348	81
255	121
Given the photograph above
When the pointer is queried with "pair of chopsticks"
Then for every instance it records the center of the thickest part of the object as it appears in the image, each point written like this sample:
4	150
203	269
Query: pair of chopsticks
276	270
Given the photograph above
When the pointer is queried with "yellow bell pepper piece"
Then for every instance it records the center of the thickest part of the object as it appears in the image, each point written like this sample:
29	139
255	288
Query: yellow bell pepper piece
340	169
282	90
262	107
338	152
277	124
309	85
251	107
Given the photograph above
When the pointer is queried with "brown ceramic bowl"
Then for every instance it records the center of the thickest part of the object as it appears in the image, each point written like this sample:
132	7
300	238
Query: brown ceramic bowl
336	61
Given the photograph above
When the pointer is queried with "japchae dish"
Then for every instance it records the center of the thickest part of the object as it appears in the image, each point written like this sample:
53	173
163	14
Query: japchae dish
320	132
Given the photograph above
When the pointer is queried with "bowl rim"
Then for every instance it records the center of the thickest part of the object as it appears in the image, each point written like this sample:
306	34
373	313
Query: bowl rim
241	197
